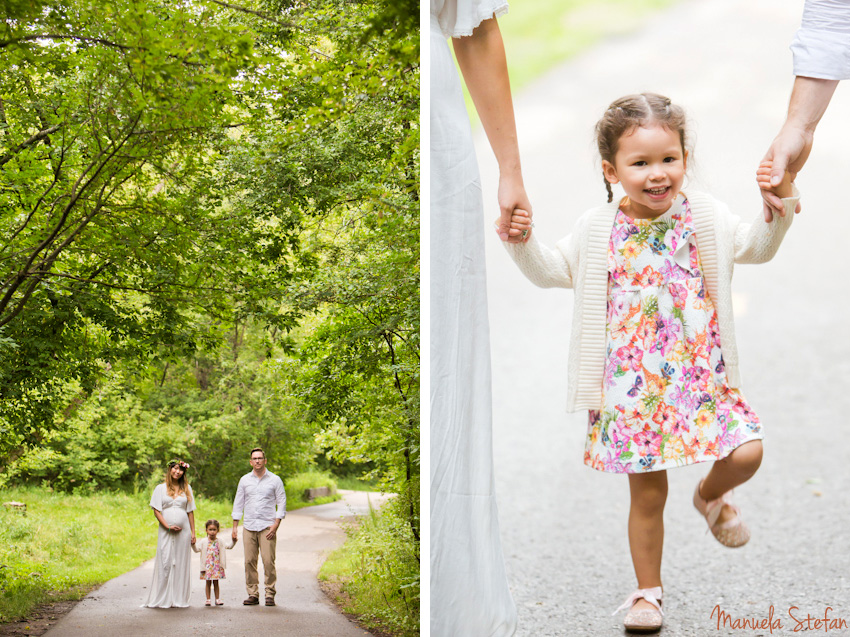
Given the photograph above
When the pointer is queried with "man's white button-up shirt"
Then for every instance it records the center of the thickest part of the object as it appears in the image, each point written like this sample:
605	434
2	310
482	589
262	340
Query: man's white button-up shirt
821	46
257	498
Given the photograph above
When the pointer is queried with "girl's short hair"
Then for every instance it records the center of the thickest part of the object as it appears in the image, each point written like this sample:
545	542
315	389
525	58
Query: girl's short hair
210	523
629	112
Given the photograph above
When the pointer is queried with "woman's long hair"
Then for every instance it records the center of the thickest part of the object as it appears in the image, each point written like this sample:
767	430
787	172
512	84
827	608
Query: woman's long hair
181	485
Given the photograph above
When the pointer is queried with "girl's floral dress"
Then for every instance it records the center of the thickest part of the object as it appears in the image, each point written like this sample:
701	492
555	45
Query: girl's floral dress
665	399
213	568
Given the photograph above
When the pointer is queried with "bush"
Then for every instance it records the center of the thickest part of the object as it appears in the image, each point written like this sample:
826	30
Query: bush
299	483
378	568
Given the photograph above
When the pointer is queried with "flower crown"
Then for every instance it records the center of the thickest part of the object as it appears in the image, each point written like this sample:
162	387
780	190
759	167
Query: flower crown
179	463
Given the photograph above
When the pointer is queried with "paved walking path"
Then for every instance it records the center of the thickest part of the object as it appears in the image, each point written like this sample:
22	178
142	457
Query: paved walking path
305	538
563	524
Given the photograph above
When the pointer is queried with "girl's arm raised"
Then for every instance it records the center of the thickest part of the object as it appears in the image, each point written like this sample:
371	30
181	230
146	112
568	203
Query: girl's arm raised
543	266
757	242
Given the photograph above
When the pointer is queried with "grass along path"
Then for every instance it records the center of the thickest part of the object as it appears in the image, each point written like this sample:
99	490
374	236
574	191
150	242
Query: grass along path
374	576
66	544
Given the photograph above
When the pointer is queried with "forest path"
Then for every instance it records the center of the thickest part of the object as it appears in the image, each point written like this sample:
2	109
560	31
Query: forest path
305	538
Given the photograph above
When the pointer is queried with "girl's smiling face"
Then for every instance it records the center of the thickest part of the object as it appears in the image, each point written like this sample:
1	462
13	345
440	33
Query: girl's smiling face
650	163
177	472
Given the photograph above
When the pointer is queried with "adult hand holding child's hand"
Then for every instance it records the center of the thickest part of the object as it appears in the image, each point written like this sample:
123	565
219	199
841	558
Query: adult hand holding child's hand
518	228
511	197
772	195
763	177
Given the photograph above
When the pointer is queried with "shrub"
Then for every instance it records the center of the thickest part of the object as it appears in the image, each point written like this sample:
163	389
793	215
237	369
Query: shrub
378	568
299	483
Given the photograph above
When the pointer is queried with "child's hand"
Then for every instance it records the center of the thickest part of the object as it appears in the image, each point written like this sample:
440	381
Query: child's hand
521	225
784	189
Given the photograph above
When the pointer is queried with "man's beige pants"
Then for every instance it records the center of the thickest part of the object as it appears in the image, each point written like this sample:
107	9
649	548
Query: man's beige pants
257	544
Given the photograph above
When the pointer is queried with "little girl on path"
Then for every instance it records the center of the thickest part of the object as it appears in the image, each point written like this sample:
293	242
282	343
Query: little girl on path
213	558
652	353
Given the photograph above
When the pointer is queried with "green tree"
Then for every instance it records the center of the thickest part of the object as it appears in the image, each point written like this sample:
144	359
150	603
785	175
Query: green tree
109	114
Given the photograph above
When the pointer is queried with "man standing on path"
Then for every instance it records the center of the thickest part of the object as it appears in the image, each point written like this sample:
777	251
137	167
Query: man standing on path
257	495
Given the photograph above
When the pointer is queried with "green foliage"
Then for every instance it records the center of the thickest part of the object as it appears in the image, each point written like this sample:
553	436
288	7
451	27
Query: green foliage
378	572
299	483
210	411
110	116
354	484
107	440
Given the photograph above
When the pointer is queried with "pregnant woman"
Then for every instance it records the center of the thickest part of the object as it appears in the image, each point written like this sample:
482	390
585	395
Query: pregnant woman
469	589
173	506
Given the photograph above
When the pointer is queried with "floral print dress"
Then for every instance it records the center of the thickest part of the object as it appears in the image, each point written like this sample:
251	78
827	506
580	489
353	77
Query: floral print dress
212	567
665	398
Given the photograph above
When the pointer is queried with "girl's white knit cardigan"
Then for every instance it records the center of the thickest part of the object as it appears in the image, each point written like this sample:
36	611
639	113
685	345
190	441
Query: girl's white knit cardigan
201	546
580	261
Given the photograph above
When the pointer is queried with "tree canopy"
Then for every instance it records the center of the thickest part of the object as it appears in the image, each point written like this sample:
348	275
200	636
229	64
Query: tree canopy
210	237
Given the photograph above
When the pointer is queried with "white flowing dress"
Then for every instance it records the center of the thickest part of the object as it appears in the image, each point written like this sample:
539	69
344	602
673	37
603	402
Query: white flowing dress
171	583
469	588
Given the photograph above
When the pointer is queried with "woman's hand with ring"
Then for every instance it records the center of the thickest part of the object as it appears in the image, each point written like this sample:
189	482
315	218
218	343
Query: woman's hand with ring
511	198
521	225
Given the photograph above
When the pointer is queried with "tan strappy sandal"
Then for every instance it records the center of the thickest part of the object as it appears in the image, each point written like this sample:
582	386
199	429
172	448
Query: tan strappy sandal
732	533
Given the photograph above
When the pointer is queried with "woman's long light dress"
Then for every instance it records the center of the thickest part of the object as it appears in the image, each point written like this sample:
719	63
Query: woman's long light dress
469	588
171	583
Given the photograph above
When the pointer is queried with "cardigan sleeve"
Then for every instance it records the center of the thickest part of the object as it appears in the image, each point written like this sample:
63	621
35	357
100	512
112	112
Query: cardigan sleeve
543	266
757	242
549	267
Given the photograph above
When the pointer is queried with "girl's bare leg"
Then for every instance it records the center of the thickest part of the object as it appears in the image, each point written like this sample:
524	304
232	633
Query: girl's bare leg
215	586
646	528
733	470
208	589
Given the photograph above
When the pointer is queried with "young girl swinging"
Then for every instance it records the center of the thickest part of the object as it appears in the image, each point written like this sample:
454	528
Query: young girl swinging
652	354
